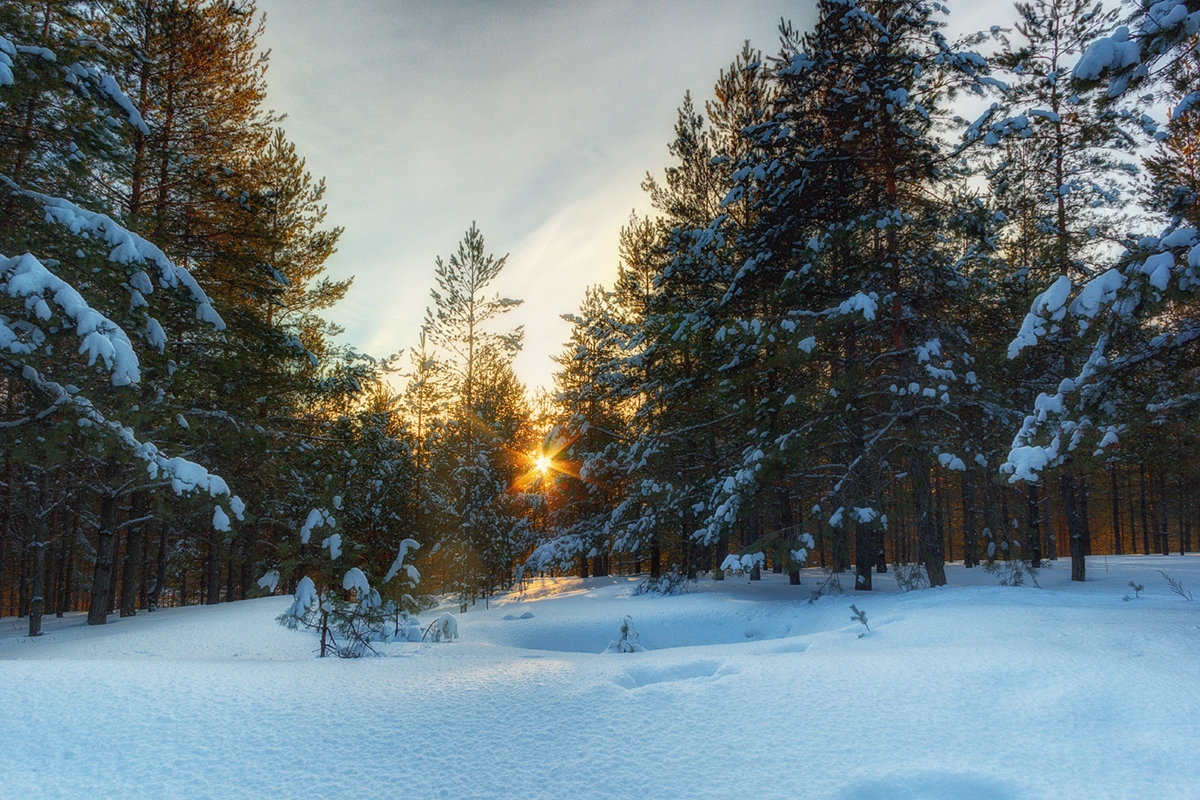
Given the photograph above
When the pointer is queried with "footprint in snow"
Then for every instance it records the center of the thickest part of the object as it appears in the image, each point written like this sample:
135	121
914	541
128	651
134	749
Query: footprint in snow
646	676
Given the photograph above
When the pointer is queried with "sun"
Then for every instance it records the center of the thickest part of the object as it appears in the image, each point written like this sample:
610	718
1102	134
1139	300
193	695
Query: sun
543	463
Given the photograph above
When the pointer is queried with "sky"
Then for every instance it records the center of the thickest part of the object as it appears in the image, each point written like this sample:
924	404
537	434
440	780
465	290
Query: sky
536	120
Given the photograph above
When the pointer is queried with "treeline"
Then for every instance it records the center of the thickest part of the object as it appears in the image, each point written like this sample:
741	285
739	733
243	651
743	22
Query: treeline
861	330
857	330
172	407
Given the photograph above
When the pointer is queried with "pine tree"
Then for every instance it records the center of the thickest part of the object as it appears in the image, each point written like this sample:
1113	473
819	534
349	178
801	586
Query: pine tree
51	203
481	526
1133	318
849	275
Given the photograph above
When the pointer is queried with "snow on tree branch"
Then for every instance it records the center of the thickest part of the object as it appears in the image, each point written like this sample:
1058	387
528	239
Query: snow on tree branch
127	248
26	278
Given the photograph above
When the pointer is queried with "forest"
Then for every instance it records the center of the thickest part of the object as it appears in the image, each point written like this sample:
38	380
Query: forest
901	301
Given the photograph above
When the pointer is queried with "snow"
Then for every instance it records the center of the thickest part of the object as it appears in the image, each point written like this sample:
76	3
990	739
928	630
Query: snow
405	546
26	277
744	690
316	519
1110	53
334	543
863	303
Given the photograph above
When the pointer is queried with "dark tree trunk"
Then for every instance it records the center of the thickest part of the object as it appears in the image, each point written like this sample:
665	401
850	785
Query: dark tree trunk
5	520
1006	521
102	575
1074	528
160	570
1033	533
1160	515
37	604
64	599
864	558
970	557
939	517
655	557
112	578
1085	518
1145	517
929	545
788	537
213	582
755	533
1116	514
23	581
132	563
58	560
1185	524
231	573
249	542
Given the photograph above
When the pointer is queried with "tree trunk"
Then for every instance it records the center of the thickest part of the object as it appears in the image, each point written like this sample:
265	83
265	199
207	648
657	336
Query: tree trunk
929	546
213	583
37	604
64	599
5	518
23	581
1160	515
1033	532
864	559
1116	514
102	575
1085	518
1145	519
970	558
1074	528
154	593
939	516
754	533
132	563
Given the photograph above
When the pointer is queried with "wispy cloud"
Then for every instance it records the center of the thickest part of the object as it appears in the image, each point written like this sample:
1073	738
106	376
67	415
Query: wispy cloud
536	119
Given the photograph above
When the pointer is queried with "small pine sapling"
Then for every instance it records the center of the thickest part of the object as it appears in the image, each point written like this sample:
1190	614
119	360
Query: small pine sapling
860	616
830	585
628	643
1176	586
1137	591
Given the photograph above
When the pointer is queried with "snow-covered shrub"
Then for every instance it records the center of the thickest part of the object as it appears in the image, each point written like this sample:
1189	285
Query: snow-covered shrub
744	564
831	584
444	628
349	614
628	643
670	583
1012	572
910	577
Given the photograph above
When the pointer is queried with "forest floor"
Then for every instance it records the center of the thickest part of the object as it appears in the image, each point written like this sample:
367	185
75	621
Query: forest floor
745	690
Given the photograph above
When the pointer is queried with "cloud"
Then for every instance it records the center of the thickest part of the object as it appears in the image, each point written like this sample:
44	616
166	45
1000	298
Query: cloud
538	120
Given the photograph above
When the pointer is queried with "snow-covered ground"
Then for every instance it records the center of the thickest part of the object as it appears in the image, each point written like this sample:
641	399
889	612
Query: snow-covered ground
745	691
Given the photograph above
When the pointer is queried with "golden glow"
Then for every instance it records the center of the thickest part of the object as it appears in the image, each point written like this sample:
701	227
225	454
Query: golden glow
542	463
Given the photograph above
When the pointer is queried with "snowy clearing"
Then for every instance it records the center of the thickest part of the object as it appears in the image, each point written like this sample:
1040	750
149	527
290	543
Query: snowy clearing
745	690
